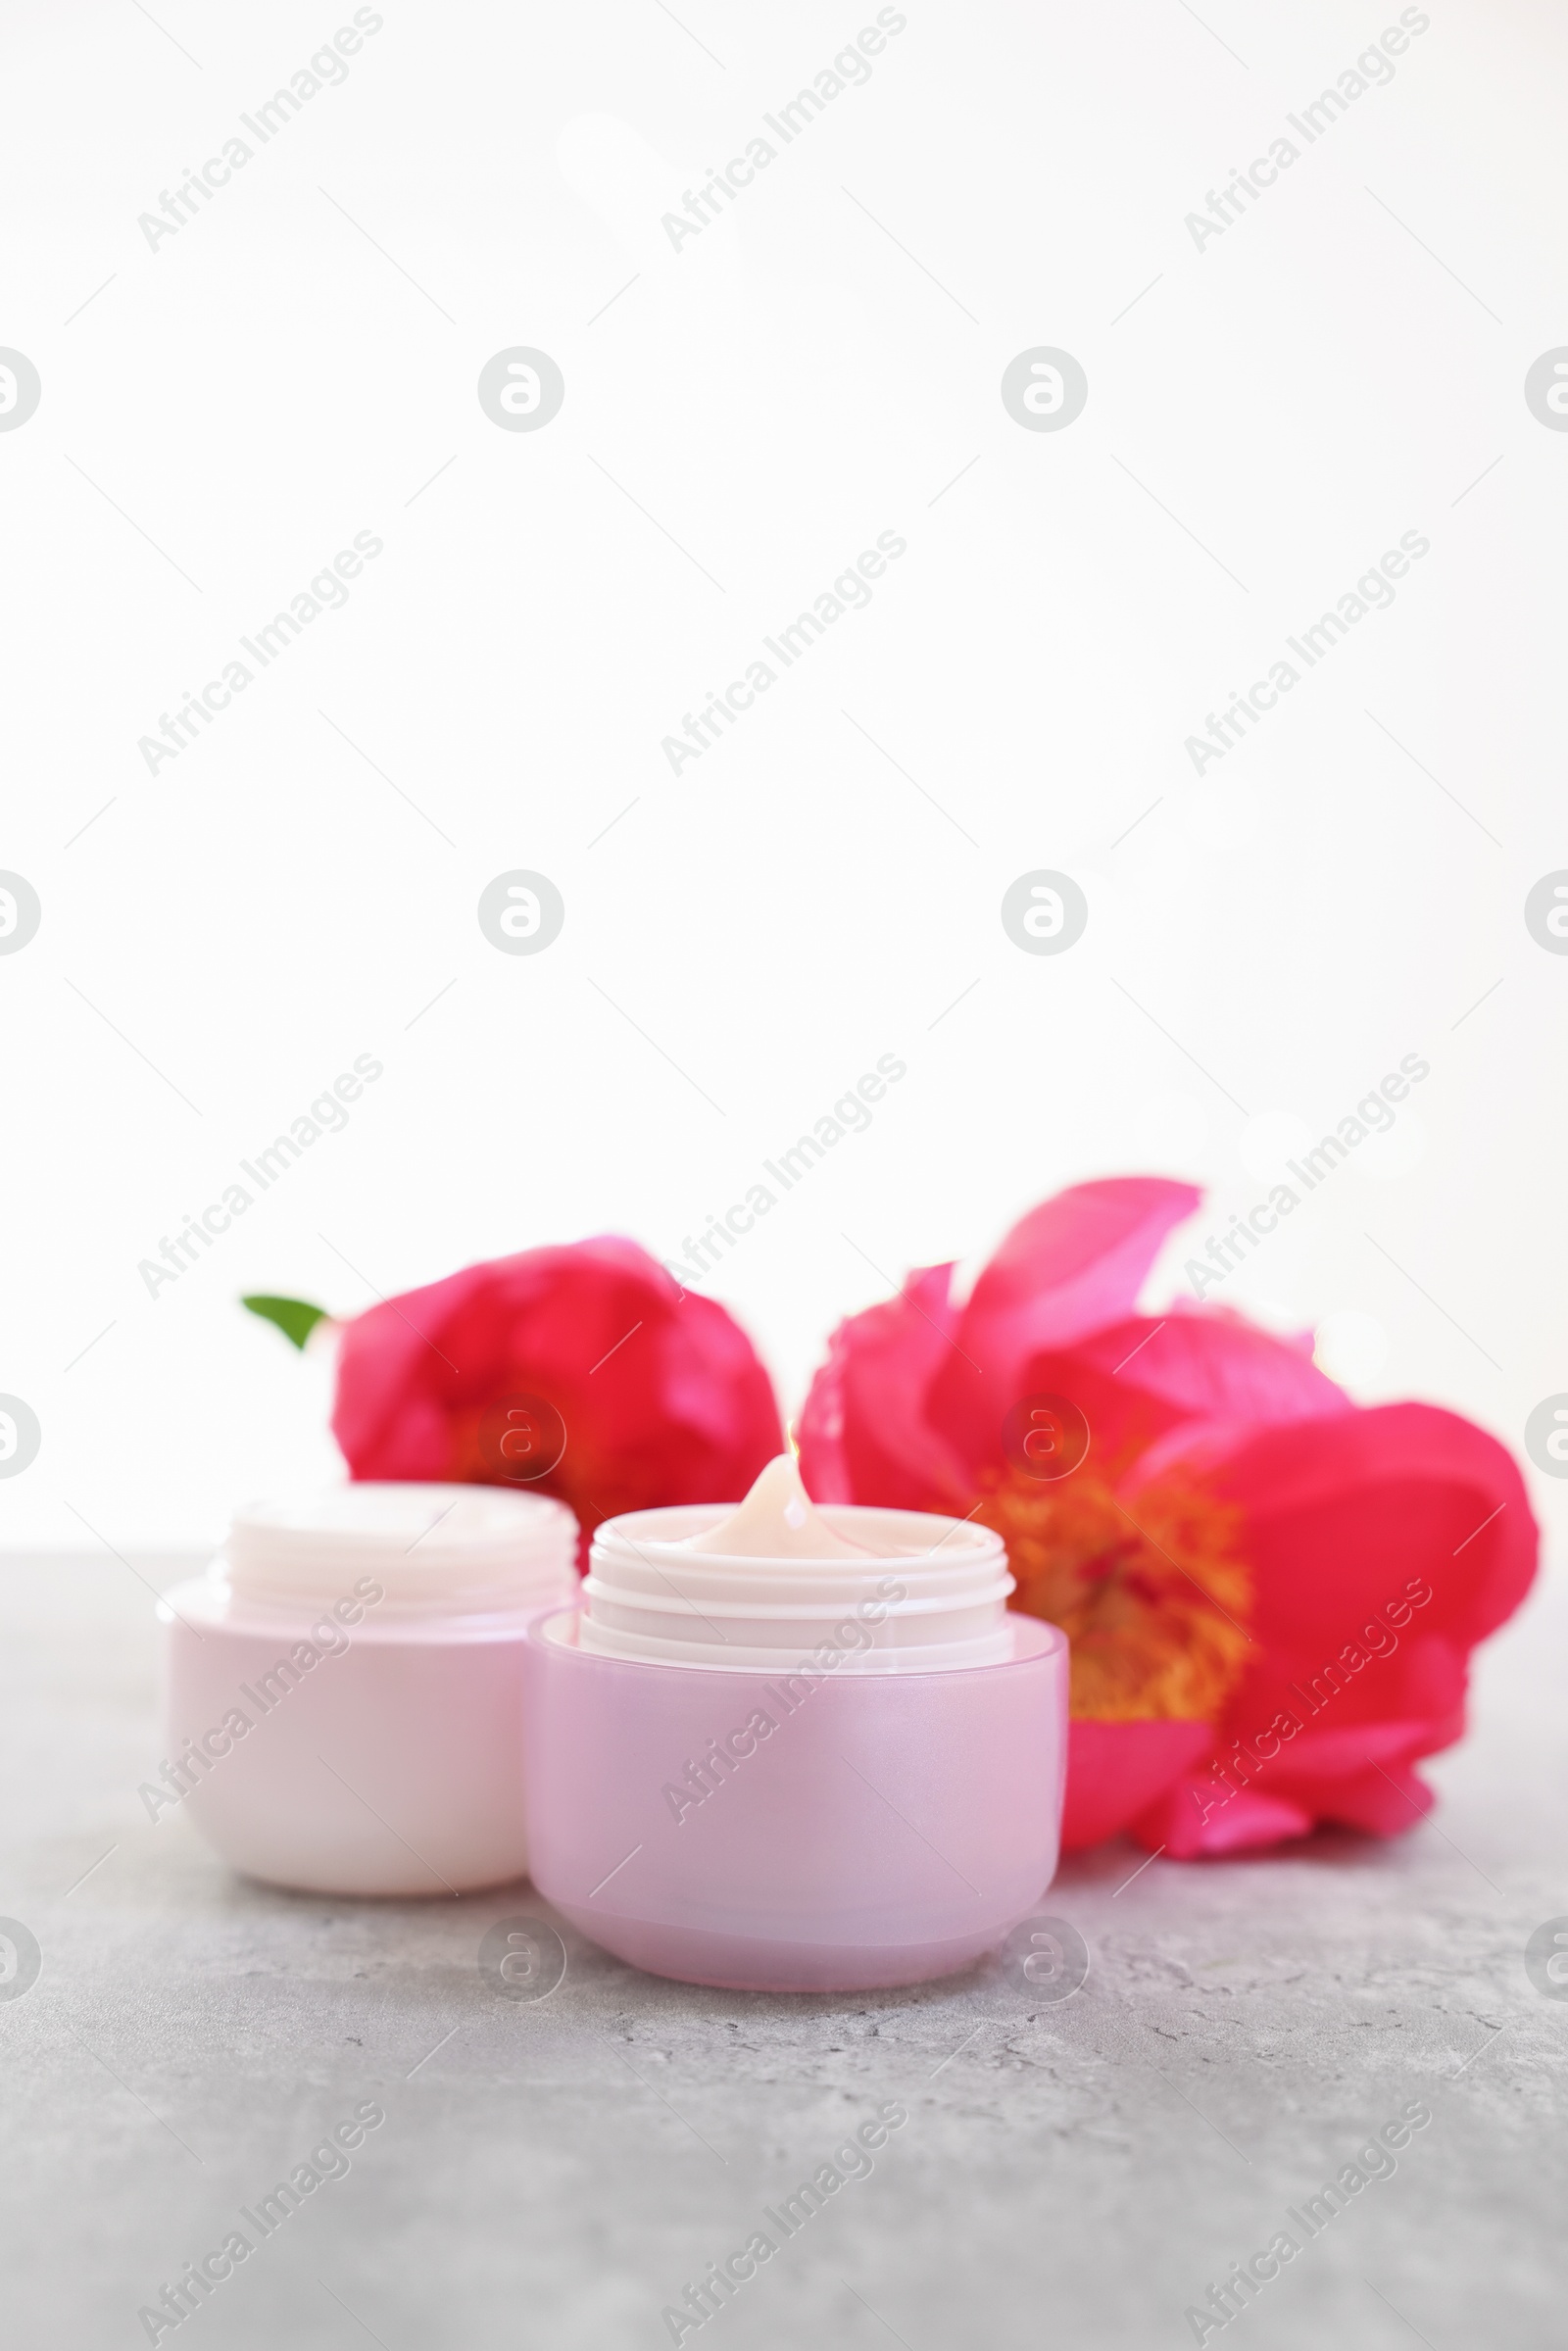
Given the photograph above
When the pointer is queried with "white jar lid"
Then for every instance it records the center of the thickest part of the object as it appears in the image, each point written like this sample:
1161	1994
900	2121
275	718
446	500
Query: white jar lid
431	1549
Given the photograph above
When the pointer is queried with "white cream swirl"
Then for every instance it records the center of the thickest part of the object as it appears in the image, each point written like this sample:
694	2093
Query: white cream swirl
778	1580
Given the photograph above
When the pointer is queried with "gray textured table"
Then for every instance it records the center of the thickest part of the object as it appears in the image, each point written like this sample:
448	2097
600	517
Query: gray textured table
552	2173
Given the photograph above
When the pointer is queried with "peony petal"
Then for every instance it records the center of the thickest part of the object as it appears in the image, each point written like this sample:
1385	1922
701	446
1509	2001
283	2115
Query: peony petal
819	1431
1209	1365
380	1371
1115	1771
1384	1801
661	1393
1300	1718
1154	1387
1068	1268
864	1435
1385	1804
1362	1782
1381	1544
1345	1515
1249	1822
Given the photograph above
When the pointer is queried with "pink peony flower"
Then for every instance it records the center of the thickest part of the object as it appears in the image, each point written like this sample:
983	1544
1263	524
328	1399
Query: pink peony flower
1271	1594
578	1371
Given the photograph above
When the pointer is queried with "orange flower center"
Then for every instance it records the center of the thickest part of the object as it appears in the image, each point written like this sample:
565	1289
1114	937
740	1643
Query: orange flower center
1153	1599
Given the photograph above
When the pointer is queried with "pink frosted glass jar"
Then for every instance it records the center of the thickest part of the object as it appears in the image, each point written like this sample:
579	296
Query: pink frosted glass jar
801	1775
344	1685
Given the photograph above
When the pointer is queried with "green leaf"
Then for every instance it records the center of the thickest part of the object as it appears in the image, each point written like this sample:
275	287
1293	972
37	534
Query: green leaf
293	1317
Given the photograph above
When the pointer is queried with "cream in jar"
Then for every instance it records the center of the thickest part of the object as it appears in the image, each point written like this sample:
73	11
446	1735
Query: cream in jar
789	1748
344	1685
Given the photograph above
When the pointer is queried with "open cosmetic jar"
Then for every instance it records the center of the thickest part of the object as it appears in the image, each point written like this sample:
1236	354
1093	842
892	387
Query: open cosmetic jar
344	1685
785	1748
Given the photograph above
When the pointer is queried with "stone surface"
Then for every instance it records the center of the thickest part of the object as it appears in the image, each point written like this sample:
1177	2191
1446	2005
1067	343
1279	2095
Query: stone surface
554	2172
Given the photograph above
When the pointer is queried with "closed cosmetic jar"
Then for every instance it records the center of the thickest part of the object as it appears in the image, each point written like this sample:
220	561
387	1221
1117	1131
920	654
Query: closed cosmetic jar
786	1748
344	1685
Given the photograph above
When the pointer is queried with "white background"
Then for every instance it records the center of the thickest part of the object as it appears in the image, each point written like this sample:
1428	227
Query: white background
271	380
